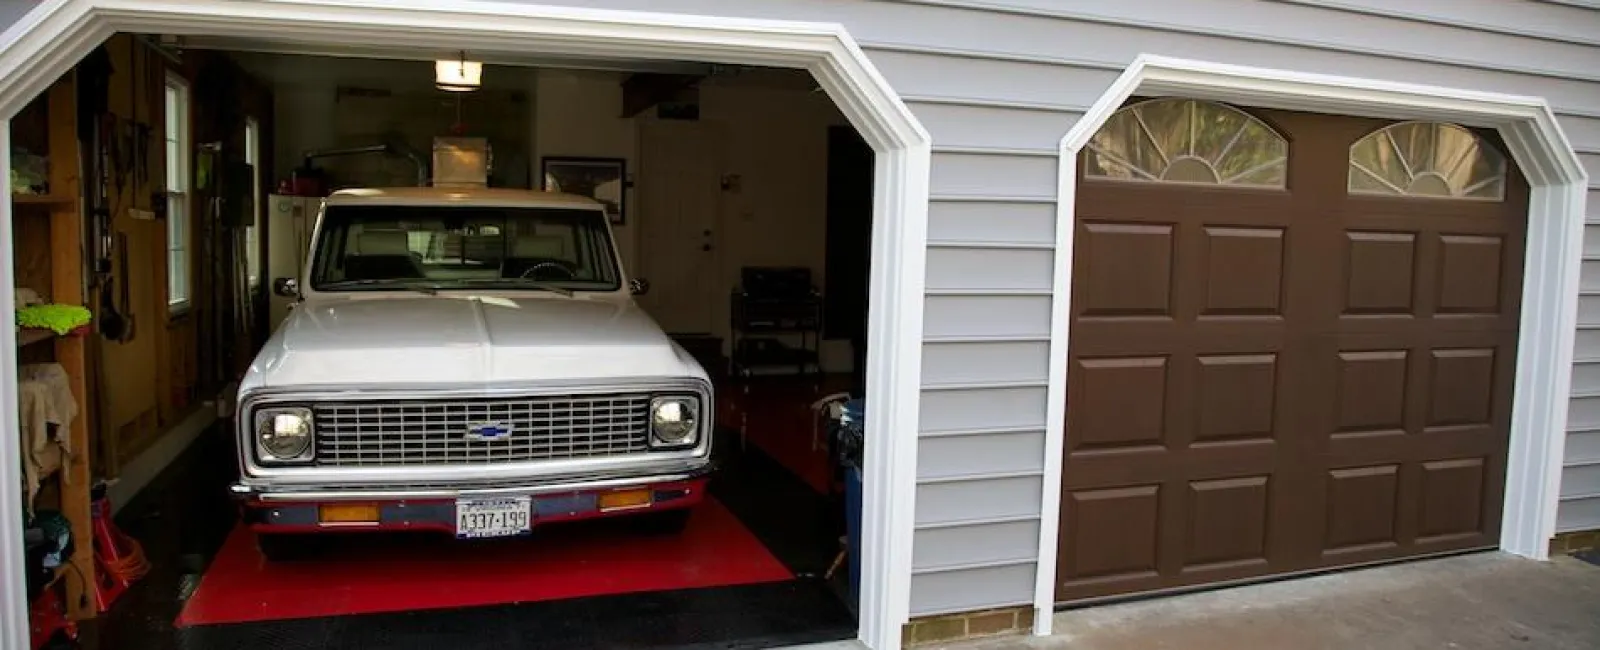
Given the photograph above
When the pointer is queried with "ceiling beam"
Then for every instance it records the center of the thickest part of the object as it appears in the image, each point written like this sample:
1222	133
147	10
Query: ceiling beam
643	90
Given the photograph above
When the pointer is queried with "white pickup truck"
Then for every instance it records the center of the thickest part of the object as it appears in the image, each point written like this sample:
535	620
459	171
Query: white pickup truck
469	361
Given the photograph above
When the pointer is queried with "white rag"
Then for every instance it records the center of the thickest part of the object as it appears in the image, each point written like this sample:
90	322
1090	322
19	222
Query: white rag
45	402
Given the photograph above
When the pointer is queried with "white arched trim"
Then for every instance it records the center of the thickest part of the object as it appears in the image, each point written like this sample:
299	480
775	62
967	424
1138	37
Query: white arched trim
56	34
1550	280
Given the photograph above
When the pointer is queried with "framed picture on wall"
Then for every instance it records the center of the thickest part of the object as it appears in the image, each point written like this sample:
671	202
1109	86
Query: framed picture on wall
602	179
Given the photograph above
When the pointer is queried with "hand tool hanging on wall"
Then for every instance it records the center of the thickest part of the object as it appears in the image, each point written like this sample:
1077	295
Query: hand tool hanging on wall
94	107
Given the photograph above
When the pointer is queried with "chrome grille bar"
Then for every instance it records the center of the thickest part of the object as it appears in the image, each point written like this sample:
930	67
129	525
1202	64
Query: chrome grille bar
435	432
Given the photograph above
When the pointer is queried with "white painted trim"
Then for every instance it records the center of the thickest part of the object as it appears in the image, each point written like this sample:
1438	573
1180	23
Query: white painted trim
1550	283
14	613
57	33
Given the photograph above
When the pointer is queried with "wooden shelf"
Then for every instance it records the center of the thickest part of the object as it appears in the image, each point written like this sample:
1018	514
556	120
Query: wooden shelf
52	263
41	199
31	336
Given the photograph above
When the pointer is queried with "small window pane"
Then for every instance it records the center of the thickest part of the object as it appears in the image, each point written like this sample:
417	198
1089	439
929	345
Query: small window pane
173	112
1188	141
174	161
1427	159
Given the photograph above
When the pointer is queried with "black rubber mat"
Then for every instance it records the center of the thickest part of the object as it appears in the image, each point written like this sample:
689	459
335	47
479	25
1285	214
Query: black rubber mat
1591	556
182	518
749	616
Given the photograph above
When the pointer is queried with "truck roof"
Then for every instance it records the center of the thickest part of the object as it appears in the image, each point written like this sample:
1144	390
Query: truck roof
461	196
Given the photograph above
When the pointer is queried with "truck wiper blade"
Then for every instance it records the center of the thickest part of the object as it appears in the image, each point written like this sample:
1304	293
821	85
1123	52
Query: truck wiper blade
521	283
429	289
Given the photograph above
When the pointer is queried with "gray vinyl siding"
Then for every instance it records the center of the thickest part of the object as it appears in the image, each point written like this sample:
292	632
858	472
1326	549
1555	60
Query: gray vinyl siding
997	83
12	11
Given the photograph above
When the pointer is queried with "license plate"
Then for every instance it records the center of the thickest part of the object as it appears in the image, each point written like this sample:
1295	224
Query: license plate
499	517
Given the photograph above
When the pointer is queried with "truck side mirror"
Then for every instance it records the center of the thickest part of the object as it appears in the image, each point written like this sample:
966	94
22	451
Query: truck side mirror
286	287
638	286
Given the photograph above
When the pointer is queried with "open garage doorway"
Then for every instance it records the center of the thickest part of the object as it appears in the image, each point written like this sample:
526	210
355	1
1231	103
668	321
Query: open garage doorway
783	517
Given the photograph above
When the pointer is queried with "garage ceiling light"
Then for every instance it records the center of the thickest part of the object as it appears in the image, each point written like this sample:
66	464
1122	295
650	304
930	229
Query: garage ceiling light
458	75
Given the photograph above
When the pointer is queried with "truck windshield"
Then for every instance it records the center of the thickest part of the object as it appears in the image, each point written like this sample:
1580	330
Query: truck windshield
389	247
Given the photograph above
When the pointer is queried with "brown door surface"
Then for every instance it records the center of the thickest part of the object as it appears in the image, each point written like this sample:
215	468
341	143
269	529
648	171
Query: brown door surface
1267	381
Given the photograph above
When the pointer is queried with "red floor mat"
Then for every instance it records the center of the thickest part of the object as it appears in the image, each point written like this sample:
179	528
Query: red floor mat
396	573
778	421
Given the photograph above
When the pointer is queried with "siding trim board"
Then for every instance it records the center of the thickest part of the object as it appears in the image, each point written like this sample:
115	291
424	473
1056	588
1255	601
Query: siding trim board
1102	66
1391	11
1080	13
56	34
1554	244
976	521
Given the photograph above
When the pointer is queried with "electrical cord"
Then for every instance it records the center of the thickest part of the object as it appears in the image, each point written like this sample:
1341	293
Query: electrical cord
132	565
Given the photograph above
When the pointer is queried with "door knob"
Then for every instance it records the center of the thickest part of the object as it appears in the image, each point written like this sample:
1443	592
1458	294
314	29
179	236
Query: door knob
705	247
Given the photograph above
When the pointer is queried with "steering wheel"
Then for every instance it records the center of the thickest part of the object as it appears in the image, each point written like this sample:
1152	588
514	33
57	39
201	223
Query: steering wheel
533	271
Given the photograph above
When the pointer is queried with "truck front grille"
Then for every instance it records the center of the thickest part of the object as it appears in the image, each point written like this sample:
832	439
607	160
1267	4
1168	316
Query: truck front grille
480	431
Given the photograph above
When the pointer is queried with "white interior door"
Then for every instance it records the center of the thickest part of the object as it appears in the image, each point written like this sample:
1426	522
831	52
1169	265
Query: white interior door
679	190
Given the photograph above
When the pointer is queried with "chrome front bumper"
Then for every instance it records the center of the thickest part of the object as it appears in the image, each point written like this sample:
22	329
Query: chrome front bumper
276	493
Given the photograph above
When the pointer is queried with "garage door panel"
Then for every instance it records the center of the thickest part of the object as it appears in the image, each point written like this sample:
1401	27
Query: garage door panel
1227	522
1462	386
1371	392
1471	216
1237	397
1467	330
1271	382
1411	447
1125	270
1451	499
1124	403
1362	509
1133	201
1145	336
1153	464
1243	271
1380	273
1469	274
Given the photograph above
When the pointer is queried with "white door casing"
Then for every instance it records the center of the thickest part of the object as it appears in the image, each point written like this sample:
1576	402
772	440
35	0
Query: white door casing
679	189
56	34
1550	283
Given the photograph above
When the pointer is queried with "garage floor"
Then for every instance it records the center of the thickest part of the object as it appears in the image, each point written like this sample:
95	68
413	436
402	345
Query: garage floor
184	522
1483	601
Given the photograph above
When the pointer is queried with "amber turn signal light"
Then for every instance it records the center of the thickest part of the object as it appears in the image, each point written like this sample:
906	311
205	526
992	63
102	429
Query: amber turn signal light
348	513
624	499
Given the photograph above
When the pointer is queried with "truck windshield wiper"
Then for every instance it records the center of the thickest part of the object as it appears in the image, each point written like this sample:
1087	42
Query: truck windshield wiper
425	288
521	283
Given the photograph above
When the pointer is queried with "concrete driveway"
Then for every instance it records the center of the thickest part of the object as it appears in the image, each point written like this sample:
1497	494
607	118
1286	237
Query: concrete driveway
1487	601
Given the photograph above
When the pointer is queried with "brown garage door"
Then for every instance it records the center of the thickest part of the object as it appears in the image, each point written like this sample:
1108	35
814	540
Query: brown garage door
1284	366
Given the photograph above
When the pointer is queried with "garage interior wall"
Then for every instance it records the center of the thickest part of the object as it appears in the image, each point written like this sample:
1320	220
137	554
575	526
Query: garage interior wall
772	132
153	378
998	83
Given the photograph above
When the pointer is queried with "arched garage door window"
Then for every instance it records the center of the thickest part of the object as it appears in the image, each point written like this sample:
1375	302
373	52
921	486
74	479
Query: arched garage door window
1187	141
1427	159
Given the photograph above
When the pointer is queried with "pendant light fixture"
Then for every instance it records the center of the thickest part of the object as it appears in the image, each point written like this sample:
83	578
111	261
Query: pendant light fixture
458	75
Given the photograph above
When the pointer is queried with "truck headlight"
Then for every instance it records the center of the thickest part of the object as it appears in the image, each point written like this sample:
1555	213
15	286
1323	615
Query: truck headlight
283	433
674	421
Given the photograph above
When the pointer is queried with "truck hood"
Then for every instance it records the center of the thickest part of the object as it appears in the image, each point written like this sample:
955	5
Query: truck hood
458	339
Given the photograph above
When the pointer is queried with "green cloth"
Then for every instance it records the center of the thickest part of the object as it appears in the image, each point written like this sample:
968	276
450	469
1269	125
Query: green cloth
60	319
